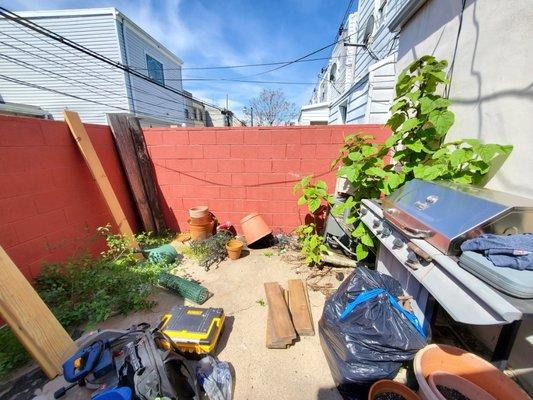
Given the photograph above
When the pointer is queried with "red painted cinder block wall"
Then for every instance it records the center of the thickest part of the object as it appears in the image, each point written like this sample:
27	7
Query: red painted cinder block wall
236	171
50	206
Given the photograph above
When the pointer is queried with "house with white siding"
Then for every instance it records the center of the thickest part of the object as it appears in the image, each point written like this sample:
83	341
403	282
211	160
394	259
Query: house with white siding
39	71
357	85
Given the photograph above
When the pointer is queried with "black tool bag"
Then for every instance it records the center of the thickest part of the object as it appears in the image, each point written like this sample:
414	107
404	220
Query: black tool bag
151	368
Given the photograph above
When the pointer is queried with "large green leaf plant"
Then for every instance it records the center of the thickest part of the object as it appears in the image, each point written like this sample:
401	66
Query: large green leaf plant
419	121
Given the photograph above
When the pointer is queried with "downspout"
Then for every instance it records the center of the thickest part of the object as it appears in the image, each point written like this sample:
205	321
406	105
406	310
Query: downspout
124	54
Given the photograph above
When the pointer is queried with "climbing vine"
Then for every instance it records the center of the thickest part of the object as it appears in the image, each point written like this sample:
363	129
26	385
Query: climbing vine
419	121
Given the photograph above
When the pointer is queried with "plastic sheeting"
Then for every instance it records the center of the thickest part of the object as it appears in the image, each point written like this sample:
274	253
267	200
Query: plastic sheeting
373	340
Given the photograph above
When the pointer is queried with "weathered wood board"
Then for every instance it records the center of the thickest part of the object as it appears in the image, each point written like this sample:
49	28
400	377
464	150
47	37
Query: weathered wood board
300	307
282	328
133	153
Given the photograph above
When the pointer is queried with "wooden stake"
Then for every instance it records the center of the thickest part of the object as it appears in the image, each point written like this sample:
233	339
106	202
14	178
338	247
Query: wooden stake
97	170
30	319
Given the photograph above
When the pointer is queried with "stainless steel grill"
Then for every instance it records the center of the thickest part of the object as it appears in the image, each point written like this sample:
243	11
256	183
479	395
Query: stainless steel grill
445	214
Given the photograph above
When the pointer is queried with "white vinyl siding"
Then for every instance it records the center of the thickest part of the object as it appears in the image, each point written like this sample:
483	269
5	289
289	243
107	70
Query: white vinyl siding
368	100
150	98
70	71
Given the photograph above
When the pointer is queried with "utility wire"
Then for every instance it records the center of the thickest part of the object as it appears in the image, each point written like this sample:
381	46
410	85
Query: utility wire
300	58
98	91
33	85
40	87
44	31
75	65
267	64
84	72
199	79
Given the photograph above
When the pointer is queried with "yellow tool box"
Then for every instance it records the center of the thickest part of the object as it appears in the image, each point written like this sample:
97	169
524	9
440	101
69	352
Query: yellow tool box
194	329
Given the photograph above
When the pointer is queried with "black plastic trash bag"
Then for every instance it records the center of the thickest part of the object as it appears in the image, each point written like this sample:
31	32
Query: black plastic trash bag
371	341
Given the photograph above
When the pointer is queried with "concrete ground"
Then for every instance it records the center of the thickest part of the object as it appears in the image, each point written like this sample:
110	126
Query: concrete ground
299	372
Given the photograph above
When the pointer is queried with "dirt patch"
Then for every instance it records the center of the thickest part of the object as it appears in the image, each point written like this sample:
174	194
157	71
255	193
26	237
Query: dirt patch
299	372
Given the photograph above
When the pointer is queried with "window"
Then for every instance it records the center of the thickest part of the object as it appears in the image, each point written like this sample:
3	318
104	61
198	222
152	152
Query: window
201	115
342	113
155	70
333	73
323	93
187	113
194	113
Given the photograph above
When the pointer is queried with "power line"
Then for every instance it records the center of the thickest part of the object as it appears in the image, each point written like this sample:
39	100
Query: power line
33	85
70	78
74	65
301	58
214	67
44	31
241	81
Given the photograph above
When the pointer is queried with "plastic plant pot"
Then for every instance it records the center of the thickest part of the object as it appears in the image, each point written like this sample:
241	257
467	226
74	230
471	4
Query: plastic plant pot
387	386
450	359
234	248
254	228
455	382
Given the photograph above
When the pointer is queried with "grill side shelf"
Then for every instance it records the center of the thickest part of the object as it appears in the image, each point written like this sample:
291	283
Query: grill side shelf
466	298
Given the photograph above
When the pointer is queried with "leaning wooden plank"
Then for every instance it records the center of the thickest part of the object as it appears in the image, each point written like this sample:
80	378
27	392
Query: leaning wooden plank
93	162
30	319
126	150
147	173
281	319
300	308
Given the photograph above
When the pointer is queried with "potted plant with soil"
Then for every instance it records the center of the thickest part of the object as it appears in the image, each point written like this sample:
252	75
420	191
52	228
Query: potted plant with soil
386	389
234	248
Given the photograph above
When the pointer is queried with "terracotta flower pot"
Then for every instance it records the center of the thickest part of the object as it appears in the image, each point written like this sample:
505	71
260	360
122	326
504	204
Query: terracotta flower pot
455	382
201	231
441	357
206	219
198	211
254	228
388	386
234	248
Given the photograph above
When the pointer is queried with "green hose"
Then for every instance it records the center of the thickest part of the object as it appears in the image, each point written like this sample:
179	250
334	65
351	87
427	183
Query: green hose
184	288
162	254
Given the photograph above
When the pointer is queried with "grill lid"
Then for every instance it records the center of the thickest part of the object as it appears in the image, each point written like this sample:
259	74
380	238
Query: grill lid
446	213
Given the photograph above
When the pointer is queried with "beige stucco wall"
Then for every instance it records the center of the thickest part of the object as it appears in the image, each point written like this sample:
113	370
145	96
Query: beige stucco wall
492	86
492	94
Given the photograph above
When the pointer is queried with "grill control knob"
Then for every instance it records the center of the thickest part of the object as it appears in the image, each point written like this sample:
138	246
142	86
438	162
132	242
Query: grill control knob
397	243
363	211
412	257
386	232
376	223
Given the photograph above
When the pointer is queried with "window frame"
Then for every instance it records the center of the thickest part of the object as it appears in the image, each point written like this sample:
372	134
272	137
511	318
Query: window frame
149	56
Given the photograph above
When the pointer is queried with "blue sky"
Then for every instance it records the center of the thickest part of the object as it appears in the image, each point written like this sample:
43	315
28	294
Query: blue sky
229	32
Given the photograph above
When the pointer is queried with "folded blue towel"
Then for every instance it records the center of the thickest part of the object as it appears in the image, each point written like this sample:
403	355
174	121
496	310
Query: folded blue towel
512	251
